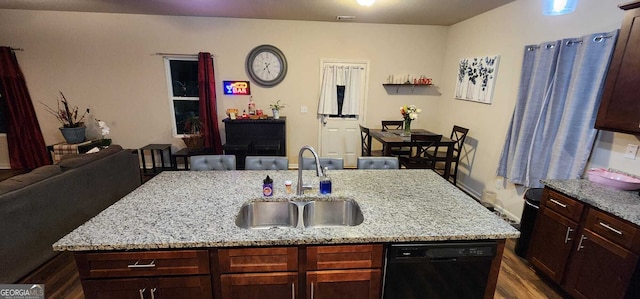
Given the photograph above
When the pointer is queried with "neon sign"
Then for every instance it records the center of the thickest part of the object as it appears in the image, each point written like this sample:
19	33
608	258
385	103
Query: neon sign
236	87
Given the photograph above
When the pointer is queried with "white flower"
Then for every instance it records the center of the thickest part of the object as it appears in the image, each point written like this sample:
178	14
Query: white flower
410	112
104	128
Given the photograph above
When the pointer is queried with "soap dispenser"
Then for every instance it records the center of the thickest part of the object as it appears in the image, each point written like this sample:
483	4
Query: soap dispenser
325	182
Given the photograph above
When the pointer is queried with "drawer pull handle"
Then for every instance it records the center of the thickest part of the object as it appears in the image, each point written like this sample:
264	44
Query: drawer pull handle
141	291
566	237
580	244
153	293
293	291
610	228
557	202
312	290
138	265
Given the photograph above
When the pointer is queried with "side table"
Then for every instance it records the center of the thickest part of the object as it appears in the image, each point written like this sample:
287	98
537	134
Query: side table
184	154
155	149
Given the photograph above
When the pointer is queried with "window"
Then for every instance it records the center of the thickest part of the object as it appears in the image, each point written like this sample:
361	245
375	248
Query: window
182	80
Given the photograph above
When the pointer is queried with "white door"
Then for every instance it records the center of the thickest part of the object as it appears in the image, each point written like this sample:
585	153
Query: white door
340	135
341	139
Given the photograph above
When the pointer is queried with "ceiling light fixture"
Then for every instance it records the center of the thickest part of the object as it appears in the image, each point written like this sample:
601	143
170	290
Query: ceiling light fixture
366	2
558	7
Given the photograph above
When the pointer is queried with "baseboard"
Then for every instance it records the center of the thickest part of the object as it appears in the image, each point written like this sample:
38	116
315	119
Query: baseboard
477	196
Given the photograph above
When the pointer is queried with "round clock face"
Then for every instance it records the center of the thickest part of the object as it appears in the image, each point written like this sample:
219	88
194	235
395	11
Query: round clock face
266	65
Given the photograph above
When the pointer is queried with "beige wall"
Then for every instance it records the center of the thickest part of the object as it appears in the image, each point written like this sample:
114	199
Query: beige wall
505	31
105	62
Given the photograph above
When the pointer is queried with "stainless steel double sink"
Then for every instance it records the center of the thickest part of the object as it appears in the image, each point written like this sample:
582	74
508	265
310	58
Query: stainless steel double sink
301	214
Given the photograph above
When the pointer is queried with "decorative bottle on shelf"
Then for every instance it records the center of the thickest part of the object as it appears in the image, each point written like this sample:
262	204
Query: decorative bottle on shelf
252	106
325	182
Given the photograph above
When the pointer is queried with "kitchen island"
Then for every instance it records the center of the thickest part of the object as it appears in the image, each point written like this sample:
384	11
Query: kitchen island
195	212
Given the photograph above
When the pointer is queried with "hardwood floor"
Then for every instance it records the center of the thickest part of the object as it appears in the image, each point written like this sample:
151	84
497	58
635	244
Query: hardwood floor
516	280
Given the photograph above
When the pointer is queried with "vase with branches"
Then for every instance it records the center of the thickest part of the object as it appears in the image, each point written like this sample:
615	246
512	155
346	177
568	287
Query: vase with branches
73	128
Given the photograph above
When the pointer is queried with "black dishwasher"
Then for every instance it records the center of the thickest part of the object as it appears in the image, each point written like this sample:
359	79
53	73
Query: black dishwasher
438	270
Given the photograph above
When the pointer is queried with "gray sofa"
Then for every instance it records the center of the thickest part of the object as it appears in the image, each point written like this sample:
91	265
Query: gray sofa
40	207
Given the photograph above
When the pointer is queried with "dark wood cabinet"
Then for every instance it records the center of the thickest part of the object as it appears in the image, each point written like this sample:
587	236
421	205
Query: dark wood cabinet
276	285
188	287
145	274
595	256
344	271
599	268
331	271
344	284
620	106
552	242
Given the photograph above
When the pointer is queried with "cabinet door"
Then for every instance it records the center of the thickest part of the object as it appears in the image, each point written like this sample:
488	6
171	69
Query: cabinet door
620	108
187	287
551	243
277	285
599	268
344	284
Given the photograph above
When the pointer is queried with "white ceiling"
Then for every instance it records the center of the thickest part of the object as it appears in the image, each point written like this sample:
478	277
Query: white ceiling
420	12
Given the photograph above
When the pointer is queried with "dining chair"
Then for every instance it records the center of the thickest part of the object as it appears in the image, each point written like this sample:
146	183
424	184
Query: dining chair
329	163
366	139
419	145
395	125
458	135
378	163
392	125
266	163
212	162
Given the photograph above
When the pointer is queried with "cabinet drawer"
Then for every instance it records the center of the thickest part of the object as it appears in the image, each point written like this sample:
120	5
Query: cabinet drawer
613	229
136	264
177	287
271	259
563	205
344	257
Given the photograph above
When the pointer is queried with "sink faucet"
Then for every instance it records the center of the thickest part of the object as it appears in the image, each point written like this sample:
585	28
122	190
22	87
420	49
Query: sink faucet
300	189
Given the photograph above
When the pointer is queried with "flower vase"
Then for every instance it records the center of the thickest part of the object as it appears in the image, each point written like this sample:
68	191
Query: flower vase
276	113
407	128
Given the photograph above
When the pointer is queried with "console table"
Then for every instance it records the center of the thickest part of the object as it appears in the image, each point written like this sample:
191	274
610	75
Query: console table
255	137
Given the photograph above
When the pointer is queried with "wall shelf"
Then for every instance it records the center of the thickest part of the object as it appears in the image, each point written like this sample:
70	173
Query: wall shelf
398	86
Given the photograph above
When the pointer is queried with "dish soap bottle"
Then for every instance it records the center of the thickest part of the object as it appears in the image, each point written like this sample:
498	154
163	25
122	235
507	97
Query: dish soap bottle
325	182
252	106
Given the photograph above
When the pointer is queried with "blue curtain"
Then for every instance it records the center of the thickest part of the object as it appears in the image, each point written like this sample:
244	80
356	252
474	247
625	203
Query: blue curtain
551	132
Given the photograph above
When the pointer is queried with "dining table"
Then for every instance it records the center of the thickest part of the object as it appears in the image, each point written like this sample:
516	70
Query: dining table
395	138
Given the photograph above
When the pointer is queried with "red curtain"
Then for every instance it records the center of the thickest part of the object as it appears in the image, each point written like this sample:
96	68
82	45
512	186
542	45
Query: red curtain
208	106
27	149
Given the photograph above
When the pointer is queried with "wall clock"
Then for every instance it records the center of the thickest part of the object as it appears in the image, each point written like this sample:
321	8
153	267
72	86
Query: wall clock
266	65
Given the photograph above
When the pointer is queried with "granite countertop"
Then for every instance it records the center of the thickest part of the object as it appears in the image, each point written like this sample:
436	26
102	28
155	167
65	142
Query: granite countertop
624	204
196	209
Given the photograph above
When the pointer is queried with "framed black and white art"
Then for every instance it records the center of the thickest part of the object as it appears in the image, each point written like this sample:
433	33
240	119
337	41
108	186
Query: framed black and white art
476	78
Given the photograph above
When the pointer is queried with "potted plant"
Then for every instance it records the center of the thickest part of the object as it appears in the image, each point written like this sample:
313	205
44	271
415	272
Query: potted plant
73	128
275	108
193	139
